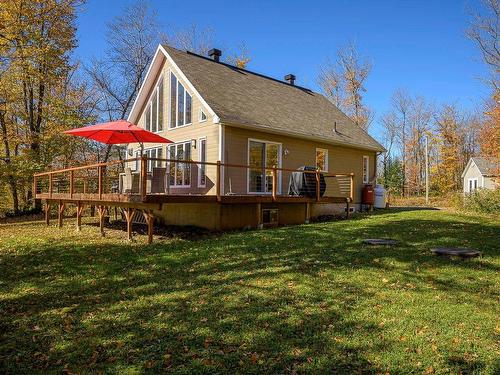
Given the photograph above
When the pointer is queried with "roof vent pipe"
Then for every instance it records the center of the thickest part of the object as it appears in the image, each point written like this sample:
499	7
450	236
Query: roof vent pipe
215	54
290	78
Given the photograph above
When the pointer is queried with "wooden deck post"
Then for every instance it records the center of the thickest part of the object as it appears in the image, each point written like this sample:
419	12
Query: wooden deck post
60	214
144	176
47	213
101	211
259	216
116	213
79	209
99	169
275	183
129	213
148	215
71	183
351	193
84	186
308	213
51	185
347	209
218	181
318	191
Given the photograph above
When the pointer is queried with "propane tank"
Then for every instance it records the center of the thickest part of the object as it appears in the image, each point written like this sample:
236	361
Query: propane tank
380	196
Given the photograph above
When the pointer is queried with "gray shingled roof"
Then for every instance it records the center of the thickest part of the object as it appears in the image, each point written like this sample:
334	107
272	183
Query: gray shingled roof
487	167
242	98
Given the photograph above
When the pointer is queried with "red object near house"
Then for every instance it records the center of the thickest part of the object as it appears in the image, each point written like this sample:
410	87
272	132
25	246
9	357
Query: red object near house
117	132
368	196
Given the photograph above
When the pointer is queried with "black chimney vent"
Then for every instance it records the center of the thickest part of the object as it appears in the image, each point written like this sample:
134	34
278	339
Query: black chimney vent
215	54
290	78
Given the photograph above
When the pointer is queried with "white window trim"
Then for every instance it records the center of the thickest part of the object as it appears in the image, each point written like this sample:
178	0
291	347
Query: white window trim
148	149
366	179
326	158
149	104
280	147
169	127
168	165
199	115
472	179
200	185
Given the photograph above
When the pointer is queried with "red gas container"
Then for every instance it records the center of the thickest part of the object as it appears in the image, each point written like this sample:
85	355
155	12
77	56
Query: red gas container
368	196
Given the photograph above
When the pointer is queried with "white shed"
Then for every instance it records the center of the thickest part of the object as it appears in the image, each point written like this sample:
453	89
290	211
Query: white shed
481	173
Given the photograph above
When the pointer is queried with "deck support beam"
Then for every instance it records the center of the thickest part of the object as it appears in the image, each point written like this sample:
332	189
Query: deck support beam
129	213
347	209
79	210
47	213
148	215
258	207
308	213
60	214
101	211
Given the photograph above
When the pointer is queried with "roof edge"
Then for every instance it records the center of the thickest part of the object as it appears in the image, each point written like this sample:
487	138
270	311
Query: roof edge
303	136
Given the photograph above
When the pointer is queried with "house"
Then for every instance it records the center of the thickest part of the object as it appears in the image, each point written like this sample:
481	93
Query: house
213	111
481	173
239	138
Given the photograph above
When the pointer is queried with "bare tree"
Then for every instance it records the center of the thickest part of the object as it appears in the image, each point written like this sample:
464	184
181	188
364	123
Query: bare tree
343	82
132	39
240	57
192	39
484	31
401	102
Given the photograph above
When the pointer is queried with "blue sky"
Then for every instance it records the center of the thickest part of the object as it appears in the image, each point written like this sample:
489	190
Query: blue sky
417	45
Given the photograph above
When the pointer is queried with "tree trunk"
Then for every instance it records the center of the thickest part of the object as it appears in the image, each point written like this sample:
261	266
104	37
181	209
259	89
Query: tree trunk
10	178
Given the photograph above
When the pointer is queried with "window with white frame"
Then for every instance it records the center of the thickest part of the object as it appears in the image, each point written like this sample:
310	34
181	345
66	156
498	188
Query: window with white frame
154	153
472	184
202	157
202	117
181	103
153	114
322	159
179	173
151	153
366	169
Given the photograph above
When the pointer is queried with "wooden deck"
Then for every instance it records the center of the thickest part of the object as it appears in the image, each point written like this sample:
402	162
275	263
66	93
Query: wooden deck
80	190
126	200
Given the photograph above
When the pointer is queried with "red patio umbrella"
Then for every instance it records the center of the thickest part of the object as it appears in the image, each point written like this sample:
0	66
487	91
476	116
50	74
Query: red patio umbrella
118	132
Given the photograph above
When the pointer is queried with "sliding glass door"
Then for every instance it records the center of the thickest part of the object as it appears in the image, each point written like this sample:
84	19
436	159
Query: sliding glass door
262	156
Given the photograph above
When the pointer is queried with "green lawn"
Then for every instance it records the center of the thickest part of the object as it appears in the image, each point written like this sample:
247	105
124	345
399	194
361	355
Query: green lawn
302	299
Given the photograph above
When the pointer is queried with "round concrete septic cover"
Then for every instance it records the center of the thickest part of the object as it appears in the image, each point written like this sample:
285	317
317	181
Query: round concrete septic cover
456	251
379	241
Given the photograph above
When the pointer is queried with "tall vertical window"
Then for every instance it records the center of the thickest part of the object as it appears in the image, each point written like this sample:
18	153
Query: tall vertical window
147	120
366	169
173	101
322	159
202	176
179	173
153	114
180	103
160	105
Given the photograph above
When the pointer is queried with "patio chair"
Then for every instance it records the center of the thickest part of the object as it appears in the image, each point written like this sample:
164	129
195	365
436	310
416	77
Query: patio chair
158	180
130	182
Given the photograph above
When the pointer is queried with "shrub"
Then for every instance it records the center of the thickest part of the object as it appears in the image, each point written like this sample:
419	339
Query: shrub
483	201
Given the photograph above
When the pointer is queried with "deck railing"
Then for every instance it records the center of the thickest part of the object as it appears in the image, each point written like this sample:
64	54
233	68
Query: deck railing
144	177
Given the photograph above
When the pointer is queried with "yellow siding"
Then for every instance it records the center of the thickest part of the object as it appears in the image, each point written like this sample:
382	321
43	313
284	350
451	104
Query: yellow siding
300	152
